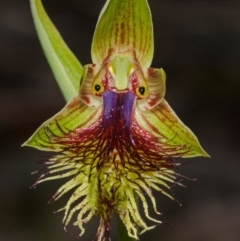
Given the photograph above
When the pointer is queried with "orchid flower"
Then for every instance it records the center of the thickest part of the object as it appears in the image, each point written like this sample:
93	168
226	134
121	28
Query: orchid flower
117	138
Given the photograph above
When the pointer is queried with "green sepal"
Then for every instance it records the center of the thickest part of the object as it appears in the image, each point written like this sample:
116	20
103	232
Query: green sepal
75	114
65	66
124	26
178	140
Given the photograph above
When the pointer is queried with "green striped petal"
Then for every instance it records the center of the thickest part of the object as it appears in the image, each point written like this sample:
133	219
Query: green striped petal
75	114
162	122
124	26
156	84
65	66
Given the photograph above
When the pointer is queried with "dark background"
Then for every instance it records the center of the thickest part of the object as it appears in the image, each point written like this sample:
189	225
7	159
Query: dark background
198	45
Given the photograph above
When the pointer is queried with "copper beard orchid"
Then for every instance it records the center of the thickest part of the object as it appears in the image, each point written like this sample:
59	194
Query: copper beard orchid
118	137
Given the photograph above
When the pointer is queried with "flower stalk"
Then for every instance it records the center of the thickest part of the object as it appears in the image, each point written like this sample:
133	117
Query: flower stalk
117	139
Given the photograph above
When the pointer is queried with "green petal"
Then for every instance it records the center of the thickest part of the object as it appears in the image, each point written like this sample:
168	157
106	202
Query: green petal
66	68
124	26
88	78
75	114
156	83
161	121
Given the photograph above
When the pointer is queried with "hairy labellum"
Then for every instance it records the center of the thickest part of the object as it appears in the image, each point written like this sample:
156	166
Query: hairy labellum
111	162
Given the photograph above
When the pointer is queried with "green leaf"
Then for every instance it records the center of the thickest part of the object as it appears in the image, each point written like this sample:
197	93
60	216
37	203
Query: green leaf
124	25
75	114
177	139
65	66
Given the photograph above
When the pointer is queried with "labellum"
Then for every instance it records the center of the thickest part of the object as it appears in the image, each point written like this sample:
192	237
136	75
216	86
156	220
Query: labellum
118	137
